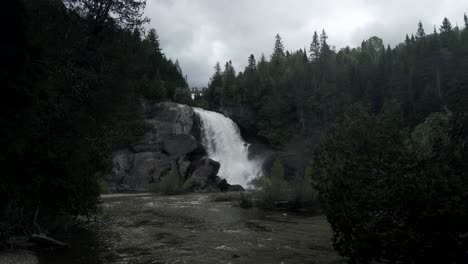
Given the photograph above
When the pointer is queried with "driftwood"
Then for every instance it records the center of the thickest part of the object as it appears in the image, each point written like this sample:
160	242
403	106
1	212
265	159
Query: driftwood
47	241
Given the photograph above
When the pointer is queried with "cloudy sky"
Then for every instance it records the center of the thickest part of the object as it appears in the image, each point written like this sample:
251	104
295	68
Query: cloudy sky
201	32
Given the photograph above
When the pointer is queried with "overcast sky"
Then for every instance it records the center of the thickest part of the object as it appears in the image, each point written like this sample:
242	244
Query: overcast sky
201	32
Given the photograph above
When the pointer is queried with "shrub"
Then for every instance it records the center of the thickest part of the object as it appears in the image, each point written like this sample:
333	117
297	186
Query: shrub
274	190
272	187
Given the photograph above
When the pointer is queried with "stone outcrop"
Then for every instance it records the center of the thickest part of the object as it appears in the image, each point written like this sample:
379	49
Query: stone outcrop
171	142
204	176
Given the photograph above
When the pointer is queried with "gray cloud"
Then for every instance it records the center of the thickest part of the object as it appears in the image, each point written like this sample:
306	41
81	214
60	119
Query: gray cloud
201	32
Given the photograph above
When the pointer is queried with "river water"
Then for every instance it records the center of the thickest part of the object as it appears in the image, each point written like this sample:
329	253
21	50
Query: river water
196	228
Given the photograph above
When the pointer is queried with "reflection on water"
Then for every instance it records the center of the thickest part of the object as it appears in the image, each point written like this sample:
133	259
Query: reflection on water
195	229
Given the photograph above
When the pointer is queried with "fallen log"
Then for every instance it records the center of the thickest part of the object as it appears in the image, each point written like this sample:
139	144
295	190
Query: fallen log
47	241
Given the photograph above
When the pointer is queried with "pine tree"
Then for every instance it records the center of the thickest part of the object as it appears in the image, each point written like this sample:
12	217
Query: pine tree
315	47
407	41
420	33
446	26
466	21
252	62
217	68
324	48
153	40
279	47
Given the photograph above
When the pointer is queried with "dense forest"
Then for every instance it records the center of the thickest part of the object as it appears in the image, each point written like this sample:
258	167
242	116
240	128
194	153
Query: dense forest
384	131
74	77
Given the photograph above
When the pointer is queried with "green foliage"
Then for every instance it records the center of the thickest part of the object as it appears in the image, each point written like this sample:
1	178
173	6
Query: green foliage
389	194
274	189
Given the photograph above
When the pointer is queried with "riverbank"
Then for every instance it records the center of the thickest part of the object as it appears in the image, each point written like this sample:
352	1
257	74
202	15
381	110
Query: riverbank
194	228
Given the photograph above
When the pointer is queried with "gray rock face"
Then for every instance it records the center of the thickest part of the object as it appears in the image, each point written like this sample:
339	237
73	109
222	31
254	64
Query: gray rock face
122	164
179	144
147	167
170	118
171	141
204	175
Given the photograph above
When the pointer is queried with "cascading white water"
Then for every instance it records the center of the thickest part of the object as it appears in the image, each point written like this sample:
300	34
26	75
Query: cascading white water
222	140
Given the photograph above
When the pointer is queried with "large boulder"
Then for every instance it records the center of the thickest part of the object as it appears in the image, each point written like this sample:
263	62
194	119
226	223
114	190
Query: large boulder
204	175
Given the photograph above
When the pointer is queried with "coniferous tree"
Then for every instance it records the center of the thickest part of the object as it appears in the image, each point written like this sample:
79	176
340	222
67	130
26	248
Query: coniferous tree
324	47
446	26
465	18
252	63
153	40
278	51
314	47
420	33
407	41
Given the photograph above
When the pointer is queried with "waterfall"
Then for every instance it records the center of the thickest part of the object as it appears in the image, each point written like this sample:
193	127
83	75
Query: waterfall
224	144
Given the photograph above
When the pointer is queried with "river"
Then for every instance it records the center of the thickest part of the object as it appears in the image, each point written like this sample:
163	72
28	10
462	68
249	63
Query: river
196	228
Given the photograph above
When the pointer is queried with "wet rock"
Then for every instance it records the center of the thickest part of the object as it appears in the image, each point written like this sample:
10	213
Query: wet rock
170	118
223	185
235	188
146	147
122	163
147	167
183	165
204	175
179	145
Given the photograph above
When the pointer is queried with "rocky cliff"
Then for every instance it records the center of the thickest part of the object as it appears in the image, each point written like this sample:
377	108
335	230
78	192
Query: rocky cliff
170	145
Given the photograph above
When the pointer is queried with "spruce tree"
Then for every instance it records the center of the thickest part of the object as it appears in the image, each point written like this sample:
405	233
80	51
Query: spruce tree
279	47
252	62
153	39
407	41
315	47
466	21
324	47
446	26
420	33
